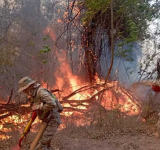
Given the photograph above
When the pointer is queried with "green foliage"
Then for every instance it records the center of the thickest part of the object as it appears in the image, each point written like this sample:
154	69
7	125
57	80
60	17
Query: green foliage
130	17
95	6
131	72
31	43
45	61
45	38
46	49
129	59
123	53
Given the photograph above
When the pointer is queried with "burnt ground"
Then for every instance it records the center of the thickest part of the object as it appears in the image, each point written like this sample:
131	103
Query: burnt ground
69	140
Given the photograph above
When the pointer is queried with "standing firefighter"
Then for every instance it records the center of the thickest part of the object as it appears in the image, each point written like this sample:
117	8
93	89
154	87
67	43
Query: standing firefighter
157	68
47	106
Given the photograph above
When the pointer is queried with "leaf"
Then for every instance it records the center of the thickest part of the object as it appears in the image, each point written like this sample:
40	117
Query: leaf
31	43
131	72
46	37
129	59
45	61
121	44
46	49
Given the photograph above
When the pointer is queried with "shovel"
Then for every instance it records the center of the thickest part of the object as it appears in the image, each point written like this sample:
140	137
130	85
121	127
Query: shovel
26	130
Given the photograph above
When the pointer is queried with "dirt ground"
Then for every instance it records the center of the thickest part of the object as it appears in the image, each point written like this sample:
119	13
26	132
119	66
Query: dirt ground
120	142
125	142
75	138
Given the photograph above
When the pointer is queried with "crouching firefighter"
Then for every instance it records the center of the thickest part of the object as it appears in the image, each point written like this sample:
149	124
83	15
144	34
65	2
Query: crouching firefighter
48	109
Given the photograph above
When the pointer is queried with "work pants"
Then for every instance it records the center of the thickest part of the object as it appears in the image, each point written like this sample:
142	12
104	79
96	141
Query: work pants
45	141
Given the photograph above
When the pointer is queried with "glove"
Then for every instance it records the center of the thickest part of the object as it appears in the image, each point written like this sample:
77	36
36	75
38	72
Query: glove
37	107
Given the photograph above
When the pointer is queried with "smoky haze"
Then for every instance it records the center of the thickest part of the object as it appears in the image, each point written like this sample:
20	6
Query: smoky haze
34	33
28	45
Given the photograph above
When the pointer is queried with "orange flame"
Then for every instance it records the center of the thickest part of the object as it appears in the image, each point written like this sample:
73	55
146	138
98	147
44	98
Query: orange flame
68	83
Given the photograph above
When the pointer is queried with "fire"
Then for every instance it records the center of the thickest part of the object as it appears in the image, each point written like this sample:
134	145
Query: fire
59	20
68	83
122	101
14	123
113	98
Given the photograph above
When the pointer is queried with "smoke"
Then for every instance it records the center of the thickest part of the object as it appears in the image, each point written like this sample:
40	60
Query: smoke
21	39
126	62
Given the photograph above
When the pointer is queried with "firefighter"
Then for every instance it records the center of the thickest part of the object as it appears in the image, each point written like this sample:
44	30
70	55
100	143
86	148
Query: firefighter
157	69
47	107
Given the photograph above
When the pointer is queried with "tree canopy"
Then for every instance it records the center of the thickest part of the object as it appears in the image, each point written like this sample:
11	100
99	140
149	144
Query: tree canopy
131	17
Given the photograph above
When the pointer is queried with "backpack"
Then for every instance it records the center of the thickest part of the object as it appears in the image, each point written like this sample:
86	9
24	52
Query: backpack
59	106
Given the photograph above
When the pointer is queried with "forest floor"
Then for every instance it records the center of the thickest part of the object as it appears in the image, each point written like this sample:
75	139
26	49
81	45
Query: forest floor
81	139
109	130
121	142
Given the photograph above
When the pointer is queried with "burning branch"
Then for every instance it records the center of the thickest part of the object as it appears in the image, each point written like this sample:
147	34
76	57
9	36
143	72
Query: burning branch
5	116
70	109
82	89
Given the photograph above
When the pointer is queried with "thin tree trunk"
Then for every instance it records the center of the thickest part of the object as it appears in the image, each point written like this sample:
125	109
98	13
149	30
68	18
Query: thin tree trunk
112	50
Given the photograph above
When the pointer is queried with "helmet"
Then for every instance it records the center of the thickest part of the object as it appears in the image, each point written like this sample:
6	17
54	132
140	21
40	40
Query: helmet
24	83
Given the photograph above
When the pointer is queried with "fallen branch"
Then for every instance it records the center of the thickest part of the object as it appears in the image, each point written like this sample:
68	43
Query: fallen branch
5	116
82	89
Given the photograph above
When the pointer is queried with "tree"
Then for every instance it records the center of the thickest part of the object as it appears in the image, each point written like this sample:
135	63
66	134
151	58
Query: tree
130	23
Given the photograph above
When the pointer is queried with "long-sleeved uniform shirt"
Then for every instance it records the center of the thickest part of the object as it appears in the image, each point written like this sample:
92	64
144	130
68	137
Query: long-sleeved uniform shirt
49	105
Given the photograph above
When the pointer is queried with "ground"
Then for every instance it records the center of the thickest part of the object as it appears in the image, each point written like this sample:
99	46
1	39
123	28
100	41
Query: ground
75	141
128	134
120	142
125	142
